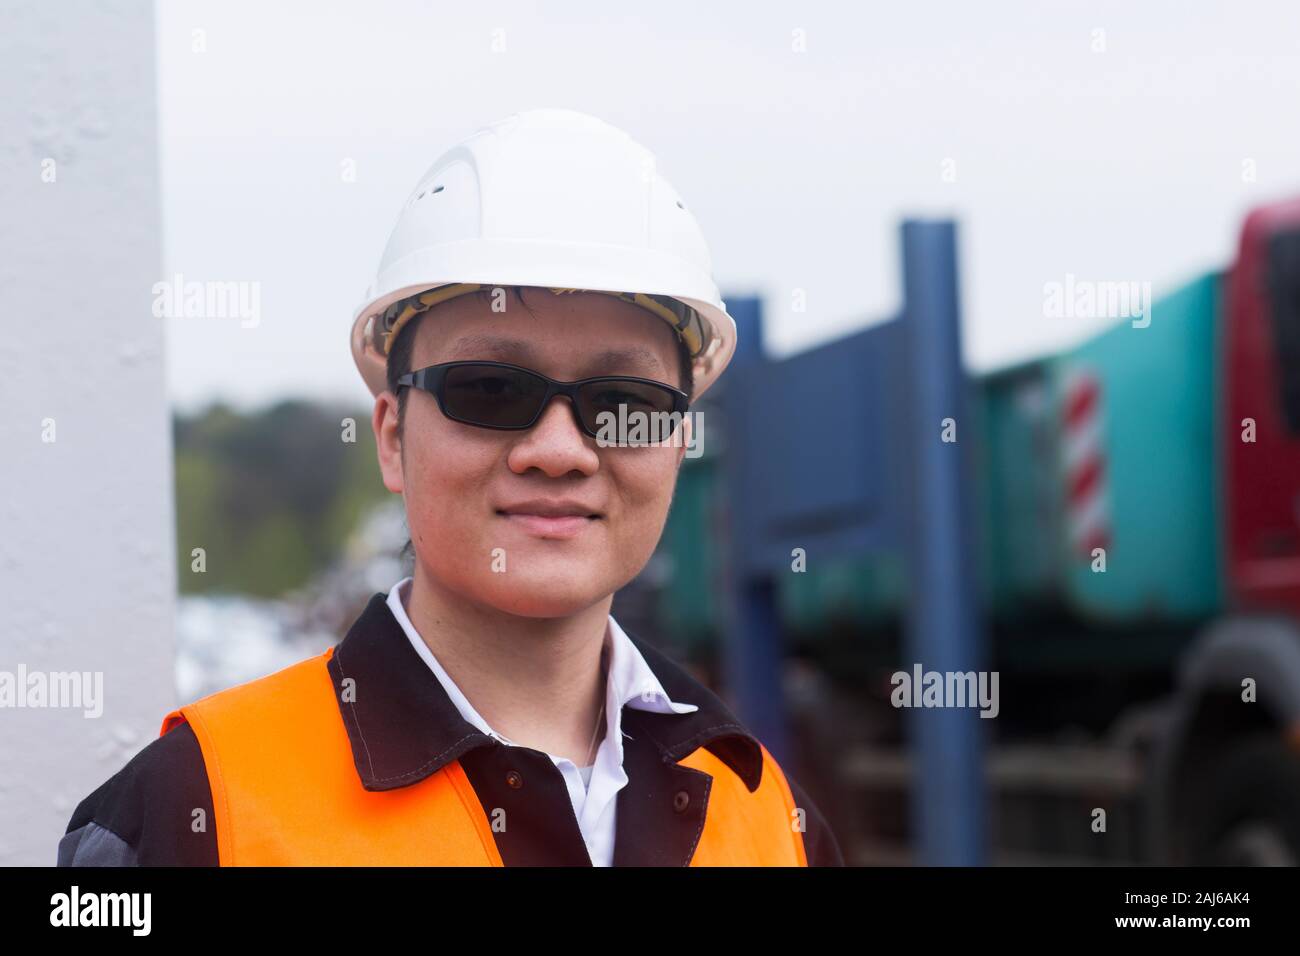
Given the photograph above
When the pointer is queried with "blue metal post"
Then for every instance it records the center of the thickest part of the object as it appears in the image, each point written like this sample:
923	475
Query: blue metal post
943	632
752	642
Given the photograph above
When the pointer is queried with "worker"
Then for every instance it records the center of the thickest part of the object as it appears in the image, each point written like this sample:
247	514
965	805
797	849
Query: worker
488	709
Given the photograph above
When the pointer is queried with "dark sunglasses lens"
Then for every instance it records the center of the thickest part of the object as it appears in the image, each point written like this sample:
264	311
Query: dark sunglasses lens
489	395
598	401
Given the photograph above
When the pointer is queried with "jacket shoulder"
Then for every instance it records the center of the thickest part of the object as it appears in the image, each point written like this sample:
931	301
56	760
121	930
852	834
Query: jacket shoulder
155	811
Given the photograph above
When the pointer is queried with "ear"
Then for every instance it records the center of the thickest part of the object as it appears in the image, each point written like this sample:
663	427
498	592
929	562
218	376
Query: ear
388	446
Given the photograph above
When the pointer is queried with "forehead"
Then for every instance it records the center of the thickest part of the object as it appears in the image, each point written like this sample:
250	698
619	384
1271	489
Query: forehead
565	336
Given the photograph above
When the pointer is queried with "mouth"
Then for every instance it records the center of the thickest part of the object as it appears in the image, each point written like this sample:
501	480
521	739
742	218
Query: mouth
558	522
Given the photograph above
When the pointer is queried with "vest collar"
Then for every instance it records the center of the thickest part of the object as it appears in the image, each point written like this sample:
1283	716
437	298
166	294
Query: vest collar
403	727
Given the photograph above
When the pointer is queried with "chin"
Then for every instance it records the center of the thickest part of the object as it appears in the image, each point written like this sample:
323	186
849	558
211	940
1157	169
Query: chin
543	597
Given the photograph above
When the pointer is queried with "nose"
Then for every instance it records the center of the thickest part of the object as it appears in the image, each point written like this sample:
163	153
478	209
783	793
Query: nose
555	444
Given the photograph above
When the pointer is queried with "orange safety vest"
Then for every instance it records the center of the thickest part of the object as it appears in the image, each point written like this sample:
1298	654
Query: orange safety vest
285	791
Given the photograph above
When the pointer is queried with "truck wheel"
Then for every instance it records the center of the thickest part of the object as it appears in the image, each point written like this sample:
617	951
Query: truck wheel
1247	810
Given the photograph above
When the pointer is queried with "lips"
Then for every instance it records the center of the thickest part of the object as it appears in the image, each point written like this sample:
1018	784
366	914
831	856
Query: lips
550	518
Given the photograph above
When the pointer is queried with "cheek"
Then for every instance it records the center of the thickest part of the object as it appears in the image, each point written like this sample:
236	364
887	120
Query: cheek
644	481
444	476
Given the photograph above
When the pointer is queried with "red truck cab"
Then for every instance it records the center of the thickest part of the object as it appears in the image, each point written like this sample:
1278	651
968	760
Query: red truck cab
1262	384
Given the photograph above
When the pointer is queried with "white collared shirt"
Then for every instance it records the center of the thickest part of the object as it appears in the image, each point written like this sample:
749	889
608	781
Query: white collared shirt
592	790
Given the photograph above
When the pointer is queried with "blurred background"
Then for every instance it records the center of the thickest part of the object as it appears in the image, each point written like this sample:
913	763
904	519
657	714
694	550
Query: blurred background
1018	387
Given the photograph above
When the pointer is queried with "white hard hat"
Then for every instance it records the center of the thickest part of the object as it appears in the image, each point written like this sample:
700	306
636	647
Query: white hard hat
556	199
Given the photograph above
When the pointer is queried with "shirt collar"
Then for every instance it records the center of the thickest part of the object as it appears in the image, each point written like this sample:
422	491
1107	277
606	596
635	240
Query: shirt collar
631	682
403	724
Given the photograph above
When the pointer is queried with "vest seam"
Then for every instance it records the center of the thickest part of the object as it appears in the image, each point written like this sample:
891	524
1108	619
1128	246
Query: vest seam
456	781
787	797
193	713
225	831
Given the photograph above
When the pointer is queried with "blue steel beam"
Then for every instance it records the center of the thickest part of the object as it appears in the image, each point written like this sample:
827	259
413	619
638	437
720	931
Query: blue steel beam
752	648
943	629
899	486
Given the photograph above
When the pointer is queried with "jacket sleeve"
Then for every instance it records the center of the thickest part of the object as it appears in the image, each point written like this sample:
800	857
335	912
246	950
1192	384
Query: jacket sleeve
155	811
820	845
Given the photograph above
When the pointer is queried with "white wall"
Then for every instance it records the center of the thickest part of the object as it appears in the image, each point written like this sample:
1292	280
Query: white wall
87	581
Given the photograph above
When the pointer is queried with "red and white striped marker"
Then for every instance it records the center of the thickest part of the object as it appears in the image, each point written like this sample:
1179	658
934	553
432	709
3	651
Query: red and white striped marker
1087	505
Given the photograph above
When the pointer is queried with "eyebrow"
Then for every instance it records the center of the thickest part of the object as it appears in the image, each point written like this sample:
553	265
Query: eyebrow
517	351
482	346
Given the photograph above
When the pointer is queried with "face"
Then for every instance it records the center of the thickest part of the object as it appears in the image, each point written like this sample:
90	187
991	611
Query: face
472	493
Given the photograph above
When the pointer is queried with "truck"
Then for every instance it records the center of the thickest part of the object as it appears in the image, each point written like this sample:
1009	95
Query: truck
1137	501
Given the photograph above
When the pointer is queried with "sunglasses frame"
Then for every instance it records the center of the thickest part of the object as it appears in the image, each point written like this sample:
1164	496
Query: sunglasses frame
432	377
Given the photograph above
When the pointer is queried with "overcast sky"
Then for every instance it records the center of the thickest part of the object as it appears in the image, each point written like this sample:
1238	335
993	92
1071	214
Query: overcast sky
1112	164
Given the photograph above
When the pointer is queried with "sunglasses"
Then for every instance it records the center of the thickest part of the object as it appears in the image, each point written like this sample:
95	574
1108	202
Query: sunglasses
497	395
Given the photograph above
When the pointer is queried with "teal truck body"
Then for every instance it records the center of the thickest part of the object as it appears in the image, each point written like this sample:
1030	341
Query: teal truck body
1138	532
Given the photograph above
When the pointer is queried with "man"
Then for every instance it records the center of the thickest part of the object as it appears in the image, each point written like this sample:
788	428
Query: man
543	290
